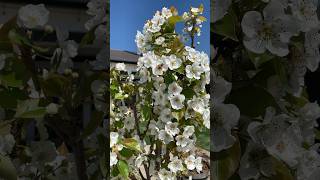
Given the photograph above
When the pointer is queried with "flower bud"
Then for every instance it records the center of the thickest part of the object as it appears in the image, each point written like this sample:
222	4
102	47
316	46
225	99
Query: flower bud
52	108
75	75
48	29
67	71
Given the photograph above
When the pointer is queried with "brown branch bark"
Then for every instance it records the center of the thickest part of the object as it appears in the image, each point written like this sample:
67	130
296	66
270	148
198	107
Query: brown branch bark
79	156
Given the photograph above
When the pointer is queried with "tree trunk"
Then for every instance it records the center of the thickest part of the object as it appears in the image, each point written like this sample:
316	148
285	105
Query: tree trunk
80	161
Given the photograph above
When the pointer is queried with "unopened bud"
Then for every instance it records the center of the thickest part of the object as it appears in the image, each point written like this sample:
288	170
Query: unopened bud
48	29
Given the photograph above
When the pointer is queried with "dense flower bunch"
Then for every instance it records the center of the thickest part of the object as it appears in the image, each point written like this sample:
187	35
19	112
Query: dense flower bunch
275	44
163	108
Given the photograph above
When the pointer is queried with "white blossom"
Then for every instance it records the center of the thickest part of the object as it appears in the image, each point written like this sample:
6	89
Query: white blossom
182	141
226	117
32	16
172	128
166	175
160	40
165	136
188	131
193	71
177	101
273	32
52	108
173	62
174	89
305	11
190	162
113	158
120	67
113	138
175	165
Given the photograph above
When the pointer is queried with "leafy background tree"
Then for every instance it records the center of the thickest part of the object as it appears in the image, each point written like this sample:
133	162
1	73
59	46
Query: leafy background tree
48	102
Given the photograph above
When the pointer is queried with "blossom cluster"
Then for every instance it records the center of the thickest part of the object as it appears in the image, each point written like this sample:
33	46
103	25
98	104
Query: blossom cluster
172	101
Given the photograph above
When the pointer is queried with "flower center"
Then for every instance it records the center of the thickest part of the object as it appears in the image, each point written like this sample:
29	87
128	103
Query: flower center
266	31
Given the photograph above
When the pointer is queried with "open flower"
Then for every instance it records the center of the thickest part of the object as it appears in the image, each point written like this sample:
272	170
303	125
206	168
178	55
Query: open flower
113	138
305	11
225	117
165	115
166	13
177	101
160	40
113	158
311	46
188	131
309	164
165	136
172	128
159	67
32	16
173	62
256	162
166	175
193	71
288	146
197	104
182	141
174	89
190	162
175	165
273	32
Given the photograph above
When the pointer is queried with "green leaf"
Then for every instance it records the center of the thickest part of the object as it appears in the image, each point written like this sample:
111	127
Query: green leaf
317	133
227	26
10	80
123	169
297	101
259	59
125	152
224	168
5	44
9	98
54	85
282	171
95	121
132	144
203	138
119	96
16	38
5	128
7	169
188	92
29	109
173	20
146	111
88	37
252	100
114	172
202	18
169	78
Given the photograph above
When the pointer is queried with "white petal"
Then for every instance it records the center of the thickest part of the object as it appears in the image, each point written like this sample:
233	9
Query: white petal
255	45
251	22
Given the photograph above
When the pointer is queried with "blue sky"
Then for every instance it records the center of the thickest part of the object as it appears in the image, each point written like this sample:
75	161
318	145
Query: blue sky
128	16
